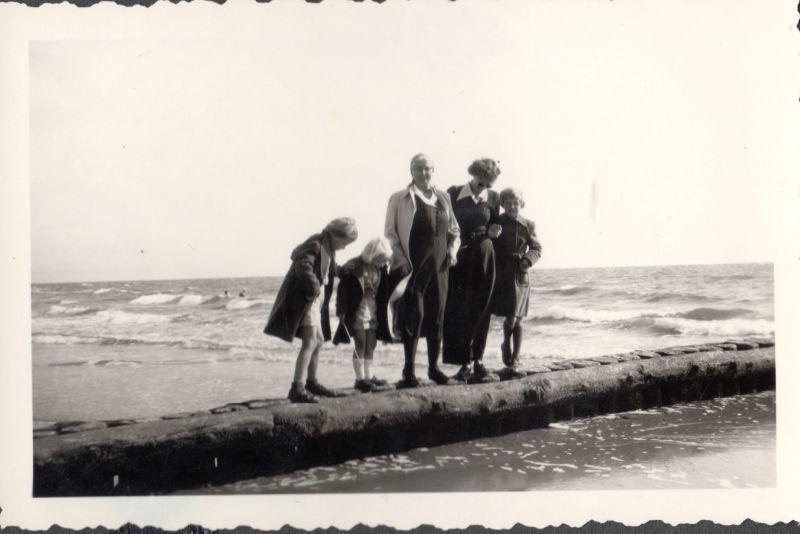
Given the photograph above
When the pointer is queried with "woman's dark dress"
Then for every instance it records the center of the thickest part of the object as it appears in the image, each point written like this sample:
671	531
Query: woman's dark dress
512	286
420	312
471	280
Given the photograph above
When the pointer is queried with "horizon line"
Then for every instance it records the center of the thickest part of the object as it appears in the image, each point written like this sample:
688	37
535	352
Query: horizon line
281	275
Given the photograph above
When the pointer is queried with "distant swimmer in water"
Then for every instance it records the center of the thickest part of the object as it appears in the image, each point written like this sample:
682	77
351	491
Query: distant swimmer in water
227	295
241	293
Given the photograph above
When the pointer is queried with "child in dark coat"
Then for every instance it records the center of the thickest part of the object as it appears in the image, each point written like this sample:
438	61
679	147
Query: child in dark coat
516	251
361	305
301	306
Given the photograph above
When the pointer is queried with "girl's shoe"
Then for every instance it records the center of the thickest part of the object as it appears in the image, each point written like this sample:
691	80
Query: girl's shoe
316	388
378	381
364	386
297	393
514	372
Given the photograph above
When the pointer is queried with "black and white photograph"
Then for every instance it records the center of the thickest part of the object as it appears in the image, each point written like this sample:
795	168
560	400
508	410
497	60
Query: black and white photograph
404	250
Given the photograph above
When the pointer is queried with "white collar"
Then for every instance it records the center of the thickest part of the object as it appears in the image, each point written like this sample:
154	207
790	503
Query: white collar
466	191
418	192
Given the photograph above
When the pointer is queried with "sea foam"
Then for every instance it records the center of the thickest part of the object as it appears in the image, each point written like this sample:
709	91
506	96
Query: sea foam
156	298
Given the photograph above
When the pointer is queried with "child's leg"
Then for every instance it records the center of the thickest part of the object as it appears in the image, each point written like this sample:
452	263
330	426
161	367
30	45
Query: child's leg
370	341
312	365
505	348
308	336
360	341
516	334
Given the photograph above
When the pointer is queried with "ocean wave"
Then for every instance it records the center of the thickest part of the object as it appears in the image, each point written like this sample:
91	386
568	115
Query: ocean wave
676	326
713	314
156	298
119	317
191	299
567	289
102	290
57	309
57	339
555	314
661	297
244	304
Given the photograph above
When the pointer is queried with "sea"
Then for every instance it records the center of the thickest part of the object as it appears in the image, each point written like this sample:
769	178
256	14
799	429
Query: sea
147	348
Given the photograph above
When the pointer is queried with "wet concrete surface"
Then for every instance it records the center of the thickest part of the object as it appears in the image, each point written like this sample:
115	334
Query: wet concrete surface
726	442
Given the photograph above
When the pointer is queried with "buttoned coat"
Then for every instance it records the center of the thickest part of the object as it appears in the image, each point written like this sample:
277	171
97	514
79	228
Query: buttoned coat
302	284
516	243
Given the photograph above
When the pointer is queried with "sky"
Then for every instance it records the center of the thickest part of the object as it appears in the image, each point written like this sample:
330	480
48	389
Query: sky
636	141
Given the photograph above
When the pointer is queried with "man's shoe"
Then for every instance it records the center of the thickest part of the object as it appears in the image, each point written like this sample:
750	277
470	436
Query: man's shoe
436	374
409	381
318	389
297	393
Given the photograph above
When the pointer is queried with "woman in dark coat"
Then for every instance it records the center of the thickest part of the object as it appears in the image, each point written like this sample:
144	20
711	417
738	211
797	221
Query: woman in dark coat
361	301
472	279
424	235
516	251
301	306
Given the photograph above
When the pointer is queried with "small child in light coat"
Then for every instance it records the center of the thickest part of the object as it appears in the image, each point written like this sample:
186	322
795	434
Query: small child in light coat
361	305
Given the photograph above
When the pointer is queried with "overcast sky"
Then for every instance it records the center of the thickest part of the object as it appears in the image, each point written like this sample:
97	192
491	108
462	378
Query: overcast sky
635	143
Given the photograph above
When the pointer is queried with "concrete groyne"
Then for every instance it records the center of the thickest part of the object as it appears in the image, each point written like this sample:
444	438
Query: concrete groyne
258	438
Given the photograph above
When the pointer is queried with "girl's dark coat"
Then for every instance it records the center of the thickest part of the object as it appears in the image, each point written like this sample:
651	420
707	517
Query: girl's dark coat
348	298
300	287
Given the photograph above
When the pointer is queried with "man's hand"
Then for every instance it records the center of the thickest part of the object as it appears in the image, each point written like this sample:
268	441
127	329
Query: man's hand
494	231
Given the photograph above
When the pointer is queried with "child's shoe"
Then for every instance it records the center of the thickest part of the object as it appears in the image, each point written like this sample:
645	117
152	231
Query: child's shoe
364	386
297	393
514	372
318	389
378	381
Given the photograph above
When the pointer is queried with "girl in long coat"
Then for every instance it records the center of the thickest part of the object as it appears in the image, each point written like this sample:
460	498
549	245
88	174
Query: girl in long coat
516	251
301	306
361	305
467	317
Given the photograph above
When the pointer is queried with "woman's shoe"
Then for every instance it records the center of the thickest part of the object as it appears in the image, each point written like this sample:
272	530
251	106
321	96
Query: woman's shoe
481	376
316	388
463	374
436	374
297	393
364	386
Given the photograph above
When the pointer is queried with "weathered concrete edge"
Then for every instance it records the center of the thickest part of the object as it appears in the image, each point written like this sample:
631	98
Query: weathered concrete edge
169	454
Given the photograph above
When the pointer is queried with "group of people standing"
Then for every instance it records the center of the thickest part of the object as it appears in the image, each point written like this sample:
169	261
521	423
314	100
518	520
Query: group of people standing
449	260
